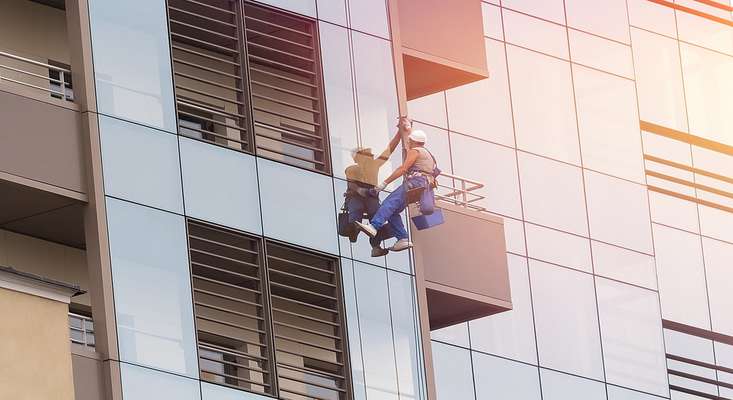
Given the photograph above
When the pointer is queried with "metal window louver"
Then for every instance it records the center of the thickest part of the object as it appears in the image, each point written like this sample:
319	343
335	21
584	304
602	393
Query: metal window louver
269	317
248	77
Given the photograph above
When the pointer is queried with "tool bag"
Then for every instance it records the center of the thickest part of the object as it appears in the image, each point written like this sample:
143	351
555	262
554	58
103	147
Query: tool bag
345	227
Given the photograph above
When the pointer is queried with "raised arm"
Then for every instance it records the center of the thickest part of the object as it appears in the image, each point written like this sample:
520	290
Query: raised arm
404	125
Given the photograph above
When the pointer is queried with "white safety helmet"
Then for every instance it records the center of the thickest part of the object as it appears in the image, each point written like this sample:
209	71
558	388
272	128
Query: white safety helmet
418	136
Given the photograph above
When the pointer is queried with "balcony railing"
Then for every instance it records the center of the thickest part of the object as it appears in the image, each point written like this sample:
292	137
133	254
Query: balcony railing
38	77
459	191
81	330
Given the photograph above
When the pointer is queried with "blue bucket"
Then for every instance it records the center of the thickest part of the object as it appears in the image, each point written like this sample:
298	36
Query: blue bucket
428	221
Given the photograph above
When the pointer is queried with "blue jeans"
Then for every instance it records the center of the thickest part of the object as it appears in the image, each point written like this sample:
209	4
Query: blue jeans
357	206
393	205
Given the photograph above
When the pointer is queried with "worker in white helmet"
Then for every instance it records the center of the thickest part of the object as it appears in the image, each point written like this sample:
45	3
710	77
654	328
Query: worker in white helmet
420	171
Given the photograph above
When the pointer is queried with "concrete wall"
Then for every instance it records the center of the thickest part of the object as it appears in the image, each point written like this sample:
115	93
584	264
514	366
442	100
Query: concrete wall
34	335
34	31
40	257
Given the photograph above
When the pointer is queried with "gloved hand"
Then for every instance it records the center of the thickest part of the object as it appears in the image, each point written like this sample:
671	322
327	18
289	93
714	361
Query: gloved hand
375	190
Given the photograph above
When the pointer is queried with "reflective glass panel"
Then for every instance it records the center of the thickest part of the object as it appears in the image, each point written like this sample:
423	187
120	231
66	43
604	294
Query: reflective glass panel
652	17
703	31
709	92
493	165
624	265
600	53
141	164
492	21
430	109
378	353
369	16
544	113
608	123
339	88
612	22
482	109
673	211
718	264
716	223
559	386
453	378
297	206
333	11
216	392
376	96
618	212
509	334
220	185
138	88
536	34
552	10
456	335
658	79
558	247
142	384
552	194
498	378
634	358
305	7
561	294
352	324
152	288
406	335
681	272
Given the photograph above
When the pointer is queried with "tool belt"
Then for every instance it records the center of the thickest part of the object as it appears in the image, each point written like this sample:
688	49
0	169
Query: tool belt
428	176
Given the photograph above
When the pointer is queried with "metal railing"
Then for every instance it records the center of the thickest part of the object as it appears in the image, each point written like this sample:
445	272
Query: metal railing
81	330
35	75
459	191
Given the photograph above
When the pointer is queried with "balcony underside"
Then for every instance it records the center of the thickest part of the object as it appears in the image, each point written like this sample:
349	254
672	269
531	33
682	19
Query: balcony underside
39	213
463	265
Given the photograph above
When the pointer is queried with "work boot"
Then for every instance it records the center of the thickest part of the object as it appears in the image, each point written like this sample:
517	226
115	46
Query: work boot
402	244
377	251
366	228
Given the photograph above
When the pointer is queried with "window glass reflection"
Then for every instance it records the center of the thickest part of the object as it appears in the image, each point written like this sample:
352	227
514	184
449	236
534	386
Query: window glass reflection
703	31
493	165
618	212
352	324
333	11
612	23
634	358
716	223
305	7
558	247
624	265
137	88
430	109
600	53
405	330
453	375
552	194
552	10
682	289
369	16
608	123
297	198
561	294
375	324
559	386
142	384
498	378
376	94
718	256
647	15
232	198
152	288
492	21
482	109
152	176
339	90
544	113
509	334
658	79
709	92
536	34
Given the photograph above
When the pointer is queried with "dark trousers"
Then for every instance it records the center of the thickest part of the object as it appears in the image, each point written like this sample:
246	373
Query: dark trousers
357	206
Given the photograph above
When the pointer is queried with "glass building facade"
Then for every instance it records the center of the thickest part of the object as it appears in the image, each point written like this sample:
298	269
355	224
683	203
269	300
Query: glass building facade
602	137
613	224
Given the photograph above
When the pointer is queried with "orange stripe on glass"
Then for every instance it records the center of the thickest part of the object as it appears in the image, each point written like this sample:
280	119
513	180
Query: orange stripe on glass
695	12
